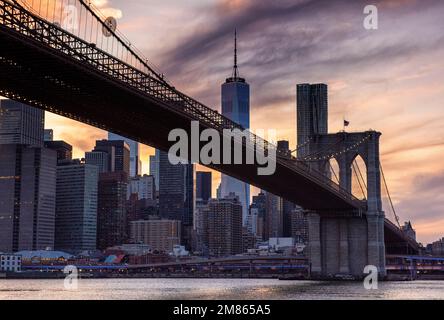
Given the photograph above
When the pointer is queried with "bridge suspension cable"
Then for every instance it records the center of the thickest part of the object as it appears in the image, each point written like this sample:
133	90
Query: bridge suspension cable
299	146
389	197
316	157
333	171
85	20
354	165
67	45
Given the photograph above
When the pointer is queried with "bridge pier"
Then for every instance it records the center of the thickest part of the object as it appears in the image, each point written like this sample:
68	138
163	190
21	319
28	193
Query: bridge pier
345	245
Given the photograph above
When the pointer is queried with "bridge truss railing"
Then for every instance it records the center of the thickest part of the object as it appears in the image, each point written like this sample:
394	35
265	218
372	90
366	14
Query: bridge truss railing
16	17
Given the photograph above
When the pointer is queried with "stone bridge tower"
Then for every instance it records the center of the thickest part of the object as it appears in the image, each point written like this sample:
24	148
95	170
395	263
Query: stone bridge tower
345	242
340	242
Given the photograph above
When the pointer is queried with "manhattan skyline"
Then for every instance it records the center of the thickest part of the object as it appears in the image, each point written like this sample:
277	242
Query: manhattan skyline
388	79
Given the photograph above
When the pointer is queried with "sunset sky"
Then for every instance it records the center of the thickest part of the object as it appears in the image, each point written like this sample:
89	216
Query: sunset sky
390	79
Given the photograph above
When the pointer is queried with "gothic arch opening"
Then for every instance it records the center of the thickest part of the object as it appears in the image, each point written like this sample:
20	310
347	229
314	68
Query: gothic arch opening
359	177
333	168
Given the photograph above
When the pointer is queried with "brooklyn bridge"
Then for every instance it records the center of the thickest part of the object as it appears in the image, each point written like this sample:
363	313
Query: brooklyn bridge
91	73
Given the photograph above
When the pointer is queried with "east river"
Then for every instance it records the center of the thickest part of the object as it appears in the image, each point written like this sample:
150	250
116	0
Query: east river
220	289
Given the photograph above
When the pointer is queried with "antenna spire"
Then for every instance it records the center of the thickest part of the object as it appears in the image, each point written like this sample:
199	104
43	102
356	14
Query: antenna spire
235	68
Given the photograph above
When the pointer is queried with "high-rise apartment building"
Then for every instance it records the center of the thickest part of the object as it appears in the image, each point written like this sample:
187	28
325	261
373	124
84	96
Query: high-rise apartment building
223	225
160	235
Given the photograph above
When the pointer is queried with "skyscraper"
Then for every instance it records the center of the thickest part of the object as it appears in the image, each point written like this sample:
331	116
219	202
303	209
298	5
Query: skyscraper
63	149
176	190
287	206
236	106
223	224
257	216
21	124
135	163
273	216
154	167
312	113
76	206
111	212
177	194
299	225
48	135
143	186
203	185
118	154
100	159
27	197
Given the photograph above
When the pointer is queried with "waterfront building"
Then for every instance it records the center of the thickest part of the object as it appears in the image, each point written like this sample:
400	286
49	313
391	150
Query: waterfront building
408	230
10	262
160	235
299	225
44	257
248	240
223	222
438	248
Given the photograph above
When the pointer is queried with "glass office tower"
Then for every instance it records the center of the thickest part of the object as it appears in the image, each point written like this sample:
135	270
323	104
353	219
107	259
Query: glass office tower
236	106
135	163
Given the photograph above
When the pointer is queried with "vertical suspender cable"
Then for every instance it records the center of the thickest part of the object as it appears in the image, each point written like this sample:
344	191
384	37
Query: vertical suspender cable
389	197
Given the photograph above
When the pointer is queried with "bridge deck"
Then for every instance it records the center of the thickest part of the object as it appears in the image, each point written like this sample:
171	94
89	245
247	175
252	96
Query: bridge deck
49	68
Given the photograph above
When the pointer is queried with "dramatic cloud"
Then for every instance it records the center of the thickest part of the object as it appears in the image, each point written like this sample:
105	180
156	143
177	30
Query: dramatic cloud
390	79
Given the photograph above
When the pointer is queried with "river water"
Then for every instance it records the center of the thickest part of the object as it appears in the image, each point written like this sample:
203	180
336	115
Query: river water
222	289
